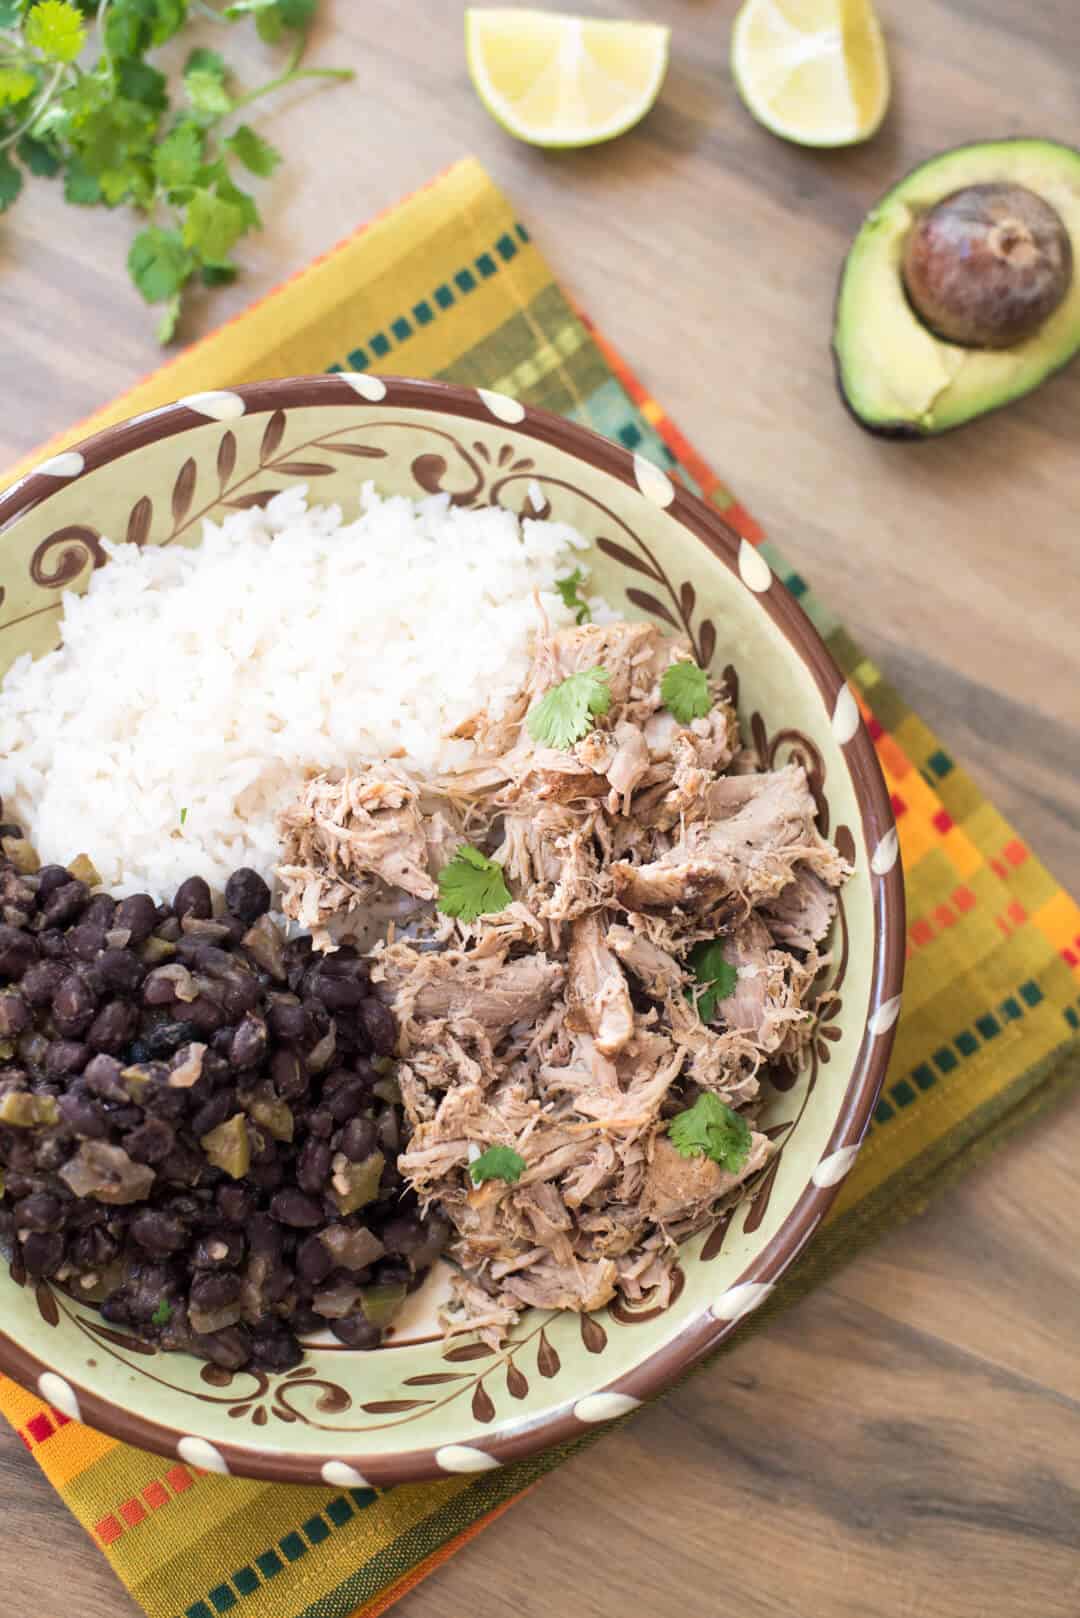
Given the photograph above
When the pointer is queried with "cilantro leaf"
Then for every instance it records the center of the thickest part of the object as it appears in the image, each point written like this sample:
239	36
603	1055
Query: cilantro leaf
15	85
162	1314
82	188
56	29
568	589
497	1163
11	181
138	81
204	84
684	691
38	156
255	153
178	158
183	816
562	717
716	975
711	1129
159	263
212	226
202	60
472	885
10	11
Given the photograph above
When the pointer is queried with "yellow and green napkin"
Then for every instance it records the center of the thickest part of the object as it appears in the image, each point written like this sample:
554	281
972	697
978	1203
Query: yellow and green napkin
450	285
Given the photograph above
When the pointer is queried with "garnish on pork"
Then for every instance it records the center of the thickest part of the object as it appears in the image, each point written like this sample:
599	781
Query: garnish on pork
598	974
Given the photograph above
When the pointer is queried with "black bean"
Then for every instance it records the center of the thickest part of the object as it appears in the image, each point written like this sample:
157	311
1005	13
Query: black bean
403	1235
289	1074
86	941
230	1348
166	1039
65	903
157	1233
297	1210
65	1056
150	1141
215	1289
113	1027
74	1004
265	1238
120	971
39	1211
268	1176
53	944
102	1078
249	1043
286	1020
138	1052
390	1272
201	1014
239	993
43	1252
313	1261
321	1124
17	951
389	1131
355	1331
378	1024
247	895
40	982
219	1249
49	878
342	994
358	1139
93	1250
14	1016
100	911
83	1115
212	1113
346	1102
313	1166
235	1203
275	1349
193	899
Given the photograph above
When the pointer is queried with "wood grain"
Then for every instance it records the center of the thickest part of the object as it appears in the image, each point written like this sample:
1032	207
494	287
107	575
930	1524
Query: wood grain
906	1443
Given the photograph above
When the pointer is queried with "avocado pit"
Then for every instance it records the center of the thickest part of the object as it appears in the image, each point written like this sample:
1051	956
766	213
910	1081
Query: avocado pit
987	265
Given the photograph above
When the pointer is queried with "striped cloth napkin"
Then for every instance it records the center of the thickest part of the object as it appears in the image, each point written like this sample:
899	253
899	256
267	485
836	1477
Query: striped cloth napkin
450	285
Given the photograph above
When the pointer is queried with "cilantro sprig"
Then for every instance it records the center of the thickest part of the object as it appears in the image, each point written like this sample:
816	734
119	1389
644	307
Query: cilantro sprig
717	978
570	590
684	691
497	1163
710	1128
565	714
472	885
80	100
162	1314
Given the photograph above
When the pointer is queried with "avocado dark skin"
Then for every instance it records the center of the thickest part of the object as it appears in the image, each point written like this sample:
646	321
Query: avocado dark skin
961	291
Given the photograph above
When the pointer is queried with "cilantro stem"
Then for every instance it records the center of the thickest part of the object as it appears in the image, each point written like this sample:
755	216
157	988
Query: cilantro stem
293	78
38	108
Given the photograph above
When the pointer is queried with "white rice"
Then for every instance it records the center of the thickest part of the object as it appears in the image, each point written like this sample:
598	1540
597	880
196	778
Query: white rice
194	686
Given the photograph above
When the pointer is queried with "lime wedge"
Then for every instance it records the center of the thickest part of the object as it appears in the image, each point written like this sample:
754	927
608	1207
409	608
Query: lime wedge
564	81
813	71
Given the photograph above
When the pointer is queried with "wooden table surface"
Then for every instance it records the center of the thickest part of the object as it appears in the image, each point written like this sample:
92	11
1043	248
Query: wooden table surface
905	1443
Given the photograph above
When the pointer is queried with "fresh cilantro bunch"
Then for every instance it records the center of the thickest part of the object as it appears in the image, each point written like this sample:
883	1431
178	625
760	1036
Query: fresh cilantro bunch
79	100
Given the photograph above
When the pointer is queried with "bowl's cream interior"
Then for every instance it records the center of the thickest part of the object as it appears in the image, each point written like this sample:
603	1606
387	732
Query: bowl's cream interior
343	1407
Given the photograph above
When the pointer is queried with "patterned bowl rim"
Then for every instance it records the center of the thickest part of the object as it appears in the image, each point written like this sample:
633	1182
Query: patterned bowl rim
706	1331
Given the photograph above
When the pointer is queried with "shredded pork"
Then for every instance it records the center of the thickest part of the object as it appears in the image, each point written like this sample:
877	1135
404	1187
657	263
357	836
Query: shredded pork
567	1026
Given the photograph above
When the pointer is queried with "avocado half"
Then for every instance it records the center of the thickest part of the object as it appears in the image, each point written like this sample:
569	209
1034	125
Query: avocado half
897	376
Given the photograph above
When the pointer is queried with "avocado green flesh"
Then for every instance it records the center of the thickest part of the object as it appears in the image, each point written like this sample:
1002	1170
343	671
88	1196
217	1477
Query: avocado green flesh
895	374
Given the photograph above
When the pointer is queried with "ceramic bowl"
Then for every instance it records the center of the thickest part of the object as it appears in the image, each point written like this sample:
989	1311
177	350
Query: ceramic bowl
419	1408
